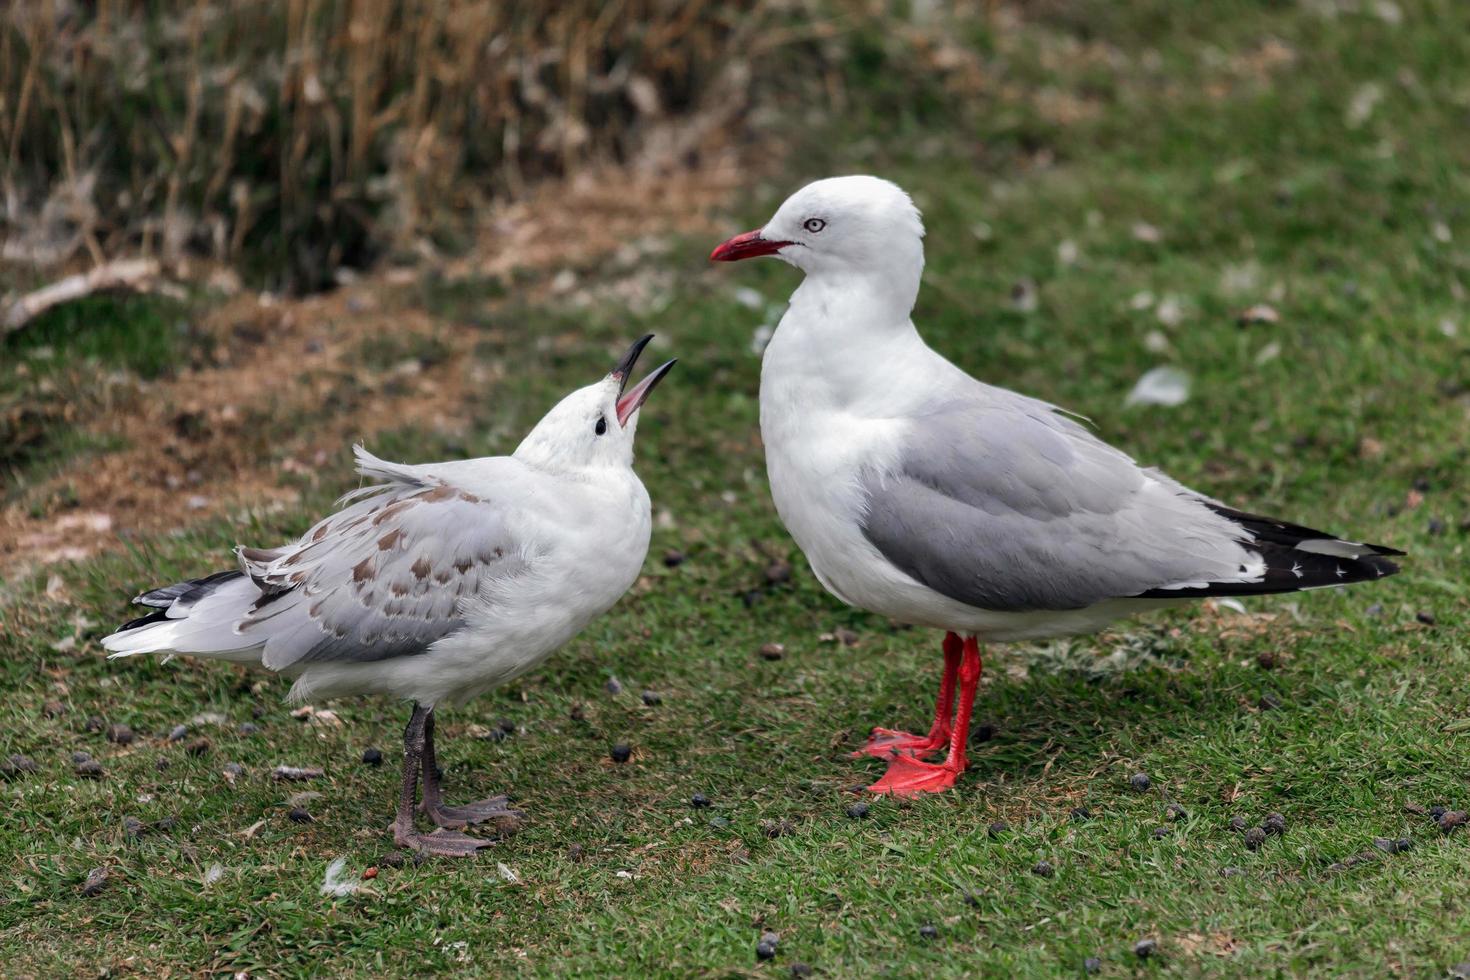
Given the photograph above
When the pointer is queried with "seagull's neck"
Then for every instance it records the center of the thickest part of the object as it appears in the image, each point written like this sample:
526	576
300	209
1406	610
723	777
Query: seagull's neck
858	306
844	337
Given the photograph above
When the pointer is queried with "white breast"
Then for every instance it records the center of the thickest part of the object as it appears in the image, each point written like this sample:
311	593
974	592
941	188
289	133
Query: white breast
577	569
833	410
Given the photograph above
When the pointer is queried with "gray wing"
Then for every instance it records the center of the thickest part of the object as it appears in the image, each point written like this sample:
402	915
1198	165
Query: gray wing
1000	502
384	577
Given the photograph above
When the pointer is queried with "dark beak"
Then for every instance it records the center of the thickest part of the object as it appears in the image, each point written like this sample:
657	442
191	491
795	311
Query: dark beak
746	246
633	400
624	370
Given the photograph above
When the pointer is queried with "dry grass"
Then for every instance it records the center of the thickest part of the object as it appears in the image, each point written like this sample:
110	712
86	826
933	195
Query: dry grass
308	135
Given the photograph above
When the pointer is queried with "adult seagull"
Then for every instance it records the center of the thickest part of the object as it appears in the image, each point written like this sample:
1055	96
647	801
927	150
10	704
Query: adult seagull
924	495
435	583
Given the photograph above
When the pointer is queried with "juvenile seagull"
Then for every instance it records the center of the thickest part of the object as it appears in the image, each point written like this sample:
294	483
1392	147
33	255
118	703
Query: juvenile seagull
435	583
921	494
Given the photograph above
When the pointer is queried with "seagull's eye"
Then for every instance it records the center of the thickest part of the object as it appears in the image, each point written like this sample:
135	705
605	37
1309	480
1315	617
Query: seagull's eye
601	427
814	225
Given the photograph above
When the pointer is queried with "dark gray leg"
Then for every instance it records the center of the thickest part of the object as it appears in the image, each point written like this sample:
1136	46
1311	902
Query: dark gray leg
415	741
456	817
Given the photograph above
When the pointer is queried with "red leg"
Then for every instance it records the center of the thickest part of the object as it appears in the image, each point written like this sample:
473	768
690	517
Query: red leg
885	743
906	775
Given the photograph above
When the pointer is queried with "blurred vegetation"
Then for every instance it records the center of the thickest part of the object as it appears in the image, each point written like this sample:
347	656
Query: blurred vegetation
294	139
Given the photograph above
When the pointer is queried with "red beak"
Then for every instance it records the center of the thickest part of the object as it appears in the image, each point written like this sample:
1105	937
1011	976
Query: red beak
638	394
746	246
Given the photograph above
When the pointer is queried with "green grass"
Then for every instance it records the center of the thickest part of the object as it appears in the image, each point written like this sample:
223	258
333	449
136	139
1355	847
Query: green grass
57	373
1356	235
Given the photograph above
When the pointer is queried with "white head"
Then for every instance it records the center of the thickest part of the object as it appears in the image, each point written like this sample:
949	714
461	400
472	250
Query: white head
838	227
594	426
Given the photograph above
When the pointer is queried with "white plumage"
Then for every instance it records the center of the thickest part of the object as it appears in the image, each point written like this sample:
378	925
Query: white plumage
435	582
924	495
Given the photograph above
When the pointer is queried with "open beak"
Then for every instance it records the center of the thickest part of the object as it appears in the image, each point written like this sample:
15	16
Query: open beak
746	246
624	370
633	400
630	401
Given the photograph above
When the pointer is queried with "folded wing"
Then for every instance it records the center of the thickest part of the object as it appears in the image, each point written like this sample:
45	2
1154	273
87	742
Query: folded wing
1000	502
384	577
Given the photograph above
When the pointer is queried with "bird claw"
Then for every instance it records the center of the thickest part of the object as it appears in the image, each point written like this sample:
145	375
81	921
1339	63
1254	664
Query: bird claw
444	843
482	811
907	776
885	743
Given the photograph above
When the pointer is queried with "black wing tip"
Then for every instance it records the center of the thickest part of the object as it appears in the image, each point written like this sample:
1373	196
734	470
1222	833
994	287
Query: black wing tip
1289	570
191	590
158	616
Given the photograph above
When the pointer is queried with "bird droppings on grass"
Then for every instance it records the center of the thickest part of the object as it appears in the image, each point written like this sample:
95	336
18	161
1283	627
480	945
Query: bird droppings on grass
1451	819
95	881
673	558
997	828
778	572
1239	824
52	709
234	770
1159	833
1268	660
1043	869
1392	845
94	724
1139	782
857	811
699	801
1145	948
198	747
1174	813
652	698
133	828
298	814
621	752
77	758
296	774
120	734
17	764
772	651
1091	965
162	762
178	733
1435	812
1232	872
613	686
1254	838
336	884
765	951
1080	813
1268	702
928	931
1274	823
91	769
1425	618
799	970
372	757
248	728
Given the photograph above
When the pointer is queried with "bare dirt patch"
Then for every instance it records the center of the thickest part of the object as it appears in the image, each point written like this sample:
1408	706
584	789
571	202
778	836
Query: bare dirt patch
284	389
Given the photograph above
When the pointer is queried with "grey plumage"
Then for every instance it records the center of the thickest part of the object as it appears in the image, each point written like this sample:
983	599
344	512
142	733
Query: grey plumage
384	577
1002	503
